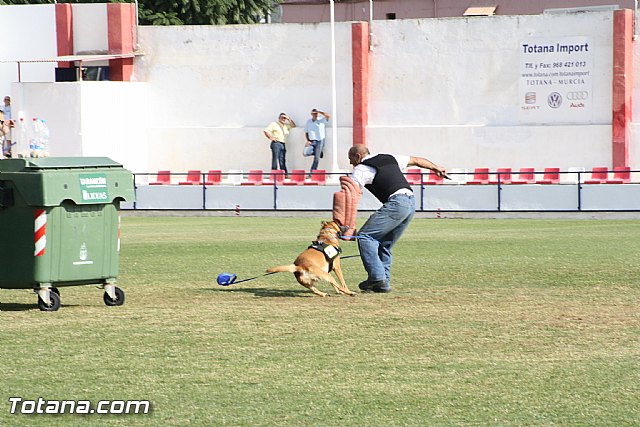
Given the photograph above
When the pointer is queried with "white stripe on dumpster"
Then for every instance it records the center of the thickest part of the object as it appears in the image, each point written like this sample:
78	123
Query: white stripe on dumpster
40	235
118	232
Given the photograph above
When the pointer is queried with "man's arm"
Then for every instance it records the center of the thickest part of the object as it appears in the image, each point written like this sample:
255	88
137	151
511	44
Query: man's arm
427	164
4	129
269	136
268	132
326	116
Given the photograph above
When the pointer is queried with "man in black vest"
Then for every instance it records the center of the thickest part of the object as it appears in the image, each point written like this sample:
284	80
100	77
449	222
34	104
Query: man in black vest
382	175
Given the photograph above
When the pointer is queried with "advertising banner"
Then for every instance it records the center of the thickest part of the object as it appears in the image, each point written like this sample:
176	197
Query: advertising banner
556	80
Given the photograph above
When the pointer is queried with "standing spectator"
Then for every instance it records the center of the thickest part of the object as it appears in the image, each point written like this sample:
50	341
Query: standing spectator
6	110
277	132
4	131
314	131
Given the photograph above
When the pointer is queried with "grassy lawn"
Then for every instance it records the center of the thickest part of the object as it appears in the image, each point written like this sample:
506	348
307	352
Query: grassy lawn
490	322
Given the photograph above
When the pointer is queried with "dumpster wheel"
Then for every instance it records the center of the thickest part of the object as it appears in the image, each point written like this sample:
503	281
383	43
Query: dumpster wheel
54	302
118	300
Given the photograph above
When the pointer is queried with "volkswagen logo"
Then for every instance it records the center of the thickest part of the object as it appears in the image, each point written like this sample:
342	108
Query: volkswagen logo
554	100
579	95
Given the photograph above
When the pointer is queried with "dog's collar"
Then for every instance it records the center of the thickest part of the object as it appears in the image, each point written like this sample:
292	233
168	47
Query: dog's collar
330	252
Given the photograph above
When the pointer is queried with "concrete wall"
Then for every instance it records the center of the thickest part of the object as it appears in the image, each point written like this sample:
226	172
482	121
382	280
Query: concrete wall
443	88
447	89
90	28
213	90
29	34
91	118
307	11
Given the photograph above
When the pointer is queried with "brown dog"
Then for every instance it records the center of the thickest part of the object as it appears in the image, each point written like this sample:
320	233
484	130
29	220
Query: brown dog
317	262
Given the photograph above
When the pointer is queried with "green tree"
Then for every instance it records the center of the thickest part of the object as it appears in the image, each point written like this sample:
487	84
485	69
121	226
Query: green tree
187	12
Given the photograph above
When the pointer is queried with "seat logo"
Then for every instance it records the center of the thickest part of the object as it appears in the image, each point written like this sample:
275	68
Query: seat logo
530	98
579	95
554	100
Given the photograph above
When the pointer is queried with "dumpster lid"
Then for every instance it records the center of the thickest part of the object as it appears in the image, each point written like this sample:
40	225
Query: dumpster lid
31	164
49	181
69	162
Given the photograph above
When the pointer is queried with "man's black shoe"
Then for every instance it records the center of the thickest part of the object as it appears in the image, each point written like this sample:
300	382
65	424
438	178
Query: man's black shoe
379	286
364	286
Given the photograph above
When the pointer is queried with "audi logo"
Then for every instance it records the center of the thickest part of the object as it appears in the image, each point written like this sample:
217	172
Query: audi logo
579	95
554	100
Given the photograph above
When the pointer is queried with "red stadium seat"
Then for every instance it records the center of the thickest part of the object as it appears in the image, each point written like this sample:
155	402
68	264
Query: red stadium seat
525	176
297	177
599	175
503	176
214	177
254	177
414	176
551	176
621	175
162	178
194	177
480	176
433	179
275	177
318	177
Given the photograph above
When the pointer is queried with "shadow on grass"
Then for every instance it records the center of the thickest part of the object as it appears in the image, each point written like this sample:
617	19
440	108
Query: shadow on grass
28	307
267	293
18	307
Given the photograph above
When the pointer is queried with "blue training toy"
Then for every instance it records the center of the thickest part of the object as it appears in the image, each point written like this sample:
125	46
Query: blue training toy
226	279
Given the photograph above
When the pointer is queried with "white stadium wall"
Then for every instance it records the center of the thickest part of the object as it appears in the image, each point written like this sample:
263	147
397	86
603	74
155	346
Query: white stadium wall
30	33
449	89
213	90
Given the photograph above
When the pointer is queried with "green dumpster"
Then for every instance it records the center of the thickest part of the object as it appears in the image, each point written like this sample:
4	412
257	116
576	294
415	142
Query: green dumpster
60	225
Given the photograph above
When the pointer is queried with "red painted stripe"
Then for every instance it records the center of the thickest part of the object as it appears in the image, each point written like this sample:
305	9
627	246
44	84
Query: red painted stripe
40	233
622	86
64	31
360	67
121	24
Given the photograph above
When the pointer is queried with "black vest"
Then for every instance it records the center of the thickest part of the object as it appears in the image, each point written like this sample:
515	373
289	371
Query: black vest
388	179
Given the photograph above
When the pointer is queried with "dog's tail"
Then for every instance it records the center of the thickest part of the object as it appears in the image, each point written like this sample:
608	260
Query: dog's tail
291	268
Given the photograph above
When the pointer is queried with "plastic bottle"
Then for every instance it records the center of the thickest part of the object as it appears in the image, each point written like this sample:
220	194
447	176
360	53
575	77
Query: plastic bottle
22	144
33	137
44	138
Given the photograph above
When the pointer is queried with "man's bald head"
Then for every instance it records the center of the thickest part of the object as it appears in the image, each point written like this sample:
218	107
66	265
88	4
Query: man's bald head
357	153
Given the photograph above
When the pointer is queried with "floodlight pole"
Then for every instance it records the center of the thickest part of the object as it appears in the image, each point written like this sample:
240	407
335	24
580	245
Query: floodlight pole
334	112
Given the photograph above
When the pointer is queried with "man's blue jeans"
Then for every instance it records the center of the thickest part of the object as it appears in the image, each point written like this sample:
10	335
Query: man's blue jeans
278	155
381	231
318	146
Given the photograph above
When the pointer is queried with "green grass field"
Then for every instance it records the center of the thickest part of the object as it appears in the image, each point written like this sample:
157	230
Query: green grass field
490	322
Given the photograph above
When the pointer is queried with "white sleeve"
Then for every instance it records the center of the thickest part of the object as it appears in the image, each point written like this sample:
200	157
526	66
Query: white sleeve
403	161
363	175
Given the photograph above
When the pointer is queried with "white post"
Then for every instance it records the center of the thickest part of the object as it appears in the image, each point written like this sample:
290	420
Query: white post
334	112
370	25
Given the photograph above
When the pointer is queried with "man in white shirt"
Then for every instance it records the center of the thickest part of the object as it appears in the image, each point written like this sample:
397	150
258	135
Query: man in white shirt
315	133
382	175
6	109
